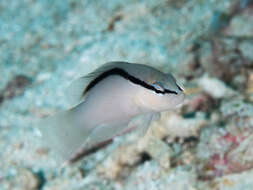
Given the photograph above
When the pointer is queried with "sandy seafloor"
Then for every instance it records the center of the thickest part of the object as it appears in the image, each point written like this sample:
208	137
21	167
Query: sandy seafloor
206	44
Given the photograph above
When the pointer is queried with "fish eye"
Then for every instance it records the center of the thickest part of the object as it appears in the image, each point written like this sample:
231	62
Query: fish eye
158	86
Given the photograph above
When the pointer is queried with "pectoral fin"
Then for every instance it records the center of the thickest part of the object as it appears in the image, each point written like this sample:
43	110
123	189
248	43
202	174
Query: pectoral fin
103	133
141	123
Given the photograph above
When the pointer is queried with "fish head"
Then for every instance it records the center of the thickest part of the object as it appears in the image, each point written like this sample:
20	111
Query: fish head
162	94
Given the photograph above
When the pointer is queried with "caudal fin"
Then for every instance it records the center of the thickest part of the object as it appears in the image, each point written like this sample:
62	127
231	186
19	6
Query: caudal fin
63	133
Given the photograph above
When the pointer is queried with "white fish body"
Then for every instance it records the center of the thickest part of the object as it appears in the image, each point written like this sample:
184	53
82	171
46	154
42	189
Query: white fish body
107	101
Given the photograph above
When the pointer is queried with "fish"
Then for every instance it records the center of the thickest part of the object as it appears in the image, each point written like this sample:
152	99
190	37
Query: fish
116	98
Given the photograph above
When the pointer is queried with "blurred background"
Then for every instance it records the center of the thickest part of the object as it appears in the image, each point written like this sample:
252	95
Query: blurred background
206	44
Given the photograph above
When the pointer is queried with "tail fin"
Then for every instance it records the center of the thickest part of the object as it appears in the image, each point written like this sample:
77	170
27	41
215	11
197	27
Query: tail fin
64	133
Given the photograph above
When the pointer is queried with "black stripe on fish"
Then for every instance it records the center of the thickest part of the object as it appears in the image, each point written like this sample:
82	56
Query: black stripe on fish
124	74
179	88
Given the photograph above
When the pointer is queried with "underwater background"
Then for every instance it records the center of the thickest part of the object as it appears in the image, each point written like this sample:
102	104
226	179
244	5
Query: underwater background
206	44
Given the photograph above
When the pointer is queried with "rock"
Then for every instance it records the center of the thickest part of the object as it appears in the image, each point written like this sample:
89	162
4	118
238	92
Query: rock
148	176
240	26
174	125
250	83
128	156
234	181
215	87
15	87
246	48
23	179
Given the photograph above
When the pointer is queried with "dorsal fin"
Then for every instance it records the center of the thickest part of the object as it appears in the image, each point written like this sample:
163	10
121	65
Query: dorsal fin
78	88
